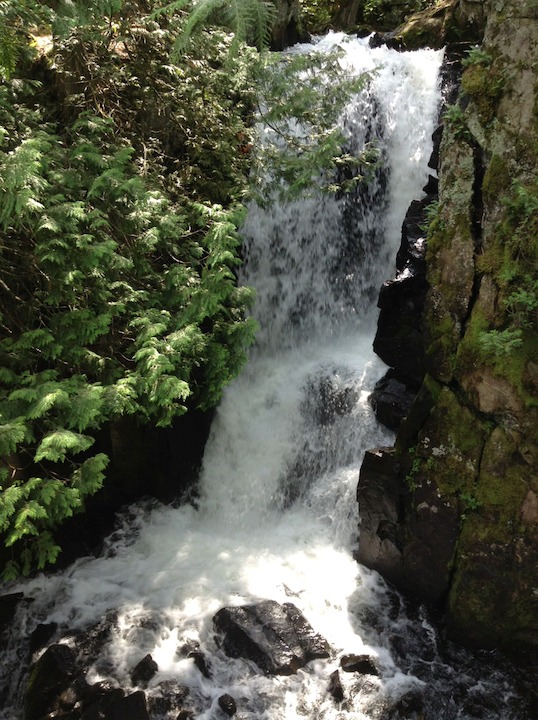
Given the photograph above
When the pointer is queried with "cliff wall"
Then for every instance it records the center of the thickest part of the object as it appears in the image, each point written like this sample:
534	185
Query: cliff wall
450	514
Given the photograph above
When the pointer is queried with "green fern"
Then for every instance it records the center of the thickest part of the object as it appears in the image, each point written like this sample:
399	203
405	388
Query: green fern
249	20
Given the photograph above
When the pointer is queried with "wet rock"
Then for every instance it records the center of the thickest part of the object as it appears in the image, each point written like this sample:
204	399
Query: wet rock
379	494
362	664
90	694
391	400
412	249
228	705
90	641
8	608
144	671
191	649
103	704
167	698
114	705
49	677
188	647
201	662
335	688
185	714
399	341
41	636
278	638
410	705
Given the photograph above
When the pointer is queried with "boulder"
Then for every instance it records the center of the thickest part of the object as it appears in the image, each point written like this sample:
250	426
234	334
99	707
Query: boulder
227	704
391	399
114	705
335	688
42	634
49	676
144	671
398	340
8	608
278	638
362	664
379	494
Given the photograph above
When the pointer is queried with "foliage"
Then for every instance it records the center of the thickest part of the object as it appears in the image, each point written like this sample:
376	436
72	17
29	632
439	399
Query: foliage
16	19
249	20
513	261
300	98
375	10
118	249
454	117
122	177
477	56
319	14
498	343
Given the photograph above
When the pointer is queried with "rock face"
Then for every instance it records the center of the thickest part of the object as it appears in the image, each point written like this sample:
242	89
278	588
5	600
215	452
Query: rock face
451	514
276	637
288	28
444	22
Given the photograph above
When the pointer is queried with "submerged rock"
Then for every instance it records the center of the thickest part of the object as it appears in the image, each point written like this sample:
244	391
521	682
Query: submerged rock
278	638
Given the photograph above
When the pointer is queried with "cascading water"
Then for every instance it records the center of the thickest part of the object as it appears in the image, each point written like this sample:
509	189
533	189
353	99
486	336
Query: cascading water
277	515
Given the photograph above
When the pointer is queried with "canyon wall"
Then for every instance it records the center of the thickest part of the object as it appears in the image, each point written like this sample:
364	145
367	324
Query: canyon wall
450	514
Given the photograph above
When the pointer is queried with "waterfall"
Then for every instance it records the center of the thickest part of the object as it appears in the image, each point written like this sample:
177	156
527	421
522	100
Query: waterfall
277	516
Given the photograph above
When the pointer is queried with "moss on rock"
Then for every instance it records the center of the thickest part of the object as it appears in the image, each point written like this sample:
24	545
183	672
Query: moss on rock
495	576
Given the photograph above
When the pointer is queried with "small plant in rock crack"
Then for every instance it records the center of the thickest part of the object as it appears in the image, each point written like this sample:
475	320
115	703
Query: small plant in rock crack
454	117
477	56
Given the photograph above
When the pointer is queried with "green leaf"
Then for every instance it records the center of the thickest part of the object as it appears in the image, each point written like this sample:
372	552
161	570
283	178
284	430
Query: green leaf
56	444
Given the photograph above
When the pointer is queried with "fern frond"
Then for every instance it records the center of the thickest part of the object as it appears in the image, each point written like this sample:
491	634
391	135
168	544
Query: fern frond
249	20
170	9
198	16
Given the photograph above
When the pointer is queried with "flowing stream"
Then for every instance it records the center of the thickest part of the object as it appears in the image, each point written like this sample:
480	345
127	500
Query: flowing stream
277	515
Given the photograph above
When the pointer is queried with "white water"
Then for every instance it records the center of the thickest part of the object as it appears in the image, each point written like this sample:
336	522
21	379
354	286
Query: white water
277	516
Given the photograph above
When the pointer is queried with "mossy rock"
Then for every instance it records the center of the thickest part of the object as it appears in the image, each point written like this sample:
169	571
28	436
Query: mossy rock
496	179
484	84
441	337
445	22
451	444
490	604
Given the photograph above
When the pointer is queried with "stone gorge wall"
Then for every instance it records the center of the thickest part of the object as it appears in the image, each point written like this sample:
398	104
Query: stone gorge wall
450	514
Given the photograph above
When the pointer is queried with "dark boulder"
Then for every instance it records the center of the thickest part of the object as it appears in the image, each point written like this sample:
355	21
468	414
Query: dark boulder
335	688
278	638
391	399
362	664
200	662
114	705
379	494
185	714
166	698
191	649
228	705
399	340
144	671
41	636
410	705
8	608
408	532
49	677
